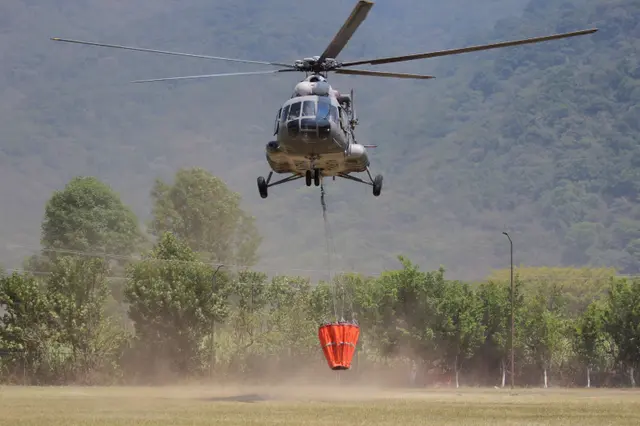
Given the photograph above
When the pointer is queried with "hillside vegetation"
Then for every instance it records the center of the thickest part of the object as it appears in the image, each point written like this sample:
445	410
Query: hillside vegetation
539	140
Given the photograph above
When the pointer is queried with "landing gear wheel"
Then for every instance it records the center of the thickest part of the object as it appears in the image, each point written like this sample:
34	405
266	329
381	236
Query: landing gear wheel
308	177
316	177
262	187
377	185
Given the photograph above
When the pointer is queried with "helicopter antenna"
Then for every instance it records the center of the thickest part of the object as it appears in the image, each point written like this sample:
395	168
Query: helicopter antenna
354	115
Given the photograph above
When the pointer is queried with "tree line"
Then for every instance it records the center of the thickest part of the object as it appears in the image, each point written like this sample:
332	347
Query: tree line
86	310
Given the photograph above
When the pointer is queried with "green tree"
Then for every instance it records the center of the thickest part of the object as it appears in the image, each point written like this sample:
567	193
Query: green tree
408	310
575	288
78	291
545	328
381	314
321	302
623	322
459	327
591	343
292	330
200	209
173	300
495	297
249	320
27	324
88	216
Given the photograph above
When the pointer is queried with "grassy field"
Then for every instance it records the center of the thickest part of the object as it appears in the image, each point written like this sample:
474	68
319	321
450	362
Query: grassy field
314	406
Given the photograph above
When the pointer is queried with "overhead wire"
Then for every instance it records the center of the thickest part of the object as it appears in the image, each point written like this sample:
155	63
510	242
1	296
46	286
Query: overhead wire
175	261
107	255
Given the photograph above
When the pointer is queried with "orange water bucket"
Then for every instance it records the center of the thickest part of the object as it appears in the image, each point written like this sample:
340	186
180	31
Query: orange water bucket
338	341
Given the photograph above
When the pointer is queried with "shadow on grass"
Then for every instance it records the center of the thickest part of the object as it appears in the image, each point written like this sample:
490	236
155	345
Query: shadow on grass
248	398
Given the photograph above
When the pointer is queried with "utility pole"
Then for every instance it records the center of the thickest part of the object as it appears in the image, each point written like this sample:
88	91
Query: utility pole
513	371
213	325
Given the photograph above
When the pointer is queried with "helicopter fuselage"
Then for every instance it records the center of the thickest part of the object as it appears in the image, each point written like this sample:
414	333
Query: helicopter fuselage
313	132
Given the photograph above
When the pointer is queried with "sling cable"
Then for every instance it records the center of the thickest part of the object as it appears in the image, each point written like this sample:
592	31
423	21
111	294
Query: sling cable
338	339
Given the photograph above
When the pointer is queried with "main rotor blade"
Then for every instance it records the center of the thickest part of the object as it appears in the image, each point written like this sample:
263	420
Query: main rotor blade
468	49
191	77
164	52
340	40
384	74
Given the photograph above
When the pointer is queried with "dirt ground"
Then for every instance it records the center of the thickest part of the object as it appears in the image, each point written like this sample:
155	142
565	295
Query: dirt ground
314	405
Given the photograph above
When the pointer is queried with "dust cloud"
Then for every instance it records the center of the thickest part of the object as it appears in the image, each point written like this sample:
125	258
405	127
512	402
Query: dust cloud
309	379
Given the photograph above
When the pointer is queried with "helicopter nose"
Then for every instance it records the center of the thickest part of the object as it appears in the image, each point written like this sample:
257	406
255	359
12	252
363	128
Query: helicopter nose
313	127
324	127
293	128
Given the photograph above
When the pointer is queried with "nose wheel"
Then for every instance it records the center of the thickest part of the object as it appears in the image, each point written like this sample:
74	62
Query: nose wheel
315	176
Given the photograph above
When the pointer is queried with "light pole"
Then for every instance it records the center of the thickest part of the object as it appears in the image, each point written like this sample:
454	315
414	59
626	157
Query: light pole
213	324
513	371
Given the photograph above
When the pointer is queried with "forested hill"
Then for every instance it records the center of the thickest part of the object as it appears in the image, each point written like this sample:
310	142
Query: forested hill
540	140
545	139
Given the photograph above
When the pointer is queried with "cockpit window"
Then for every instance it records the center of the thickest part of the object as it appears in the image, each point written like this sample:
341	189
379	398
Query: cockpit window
309	109
294	111
326	111
334	113
285	111
323	110
277	123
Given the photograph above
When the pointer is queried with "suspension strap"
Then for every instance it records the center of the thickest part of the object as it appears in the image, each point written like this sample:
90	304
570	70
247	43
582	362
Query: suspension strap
329	244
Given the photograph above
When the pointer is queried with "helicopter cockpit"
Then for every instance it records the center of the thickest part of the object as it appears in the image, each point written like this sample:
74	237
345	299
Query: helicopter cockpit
308	115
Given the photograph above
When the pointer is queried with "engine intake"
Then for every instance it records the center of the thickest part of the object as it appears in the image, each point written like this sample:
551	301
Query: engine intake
273	146
356	151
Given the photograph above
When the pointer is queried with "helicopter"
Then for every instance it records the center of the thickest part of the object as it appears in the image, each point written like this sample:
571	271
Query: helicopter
314	129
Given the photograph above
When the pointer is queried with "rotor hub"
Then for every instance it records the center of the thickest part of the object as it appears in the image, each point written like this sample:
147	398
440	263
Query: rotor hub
314	64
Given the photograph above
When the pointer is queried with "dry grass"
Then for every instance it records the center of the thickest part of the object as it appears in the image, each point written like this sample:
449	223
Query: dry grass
304	405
